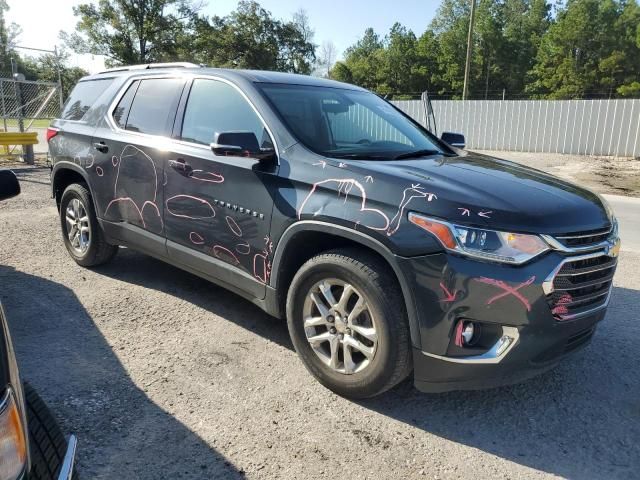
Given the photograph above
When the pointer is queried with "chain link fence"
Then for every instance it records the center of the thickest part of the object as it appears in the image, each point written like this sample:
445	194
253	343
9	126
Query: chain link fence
28	106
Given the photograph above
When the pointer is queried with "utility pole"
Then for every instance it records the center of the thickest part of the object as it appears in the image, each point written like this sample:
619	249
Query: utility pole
467	65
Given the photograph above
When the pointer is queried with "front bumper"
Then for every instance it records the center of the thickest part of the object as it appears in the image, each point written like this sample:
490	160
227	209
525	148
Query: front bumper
68	464
513	301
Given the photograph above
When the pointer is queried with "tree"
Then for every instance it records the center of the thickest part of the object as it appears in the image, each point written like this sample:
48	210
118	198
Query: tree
130	31
249	37
45	68
8	35
325	58
525	23
590	50
362	61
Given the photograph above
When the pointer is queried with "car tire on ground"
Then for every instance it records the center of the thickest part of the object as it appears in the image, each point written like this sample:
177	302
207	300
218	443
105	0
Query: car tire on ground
356	345
81	231
47	444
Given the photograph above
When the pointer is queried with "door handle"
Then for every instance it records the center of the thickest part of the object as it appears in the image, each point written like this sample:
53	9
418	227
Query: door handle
181	165
101	147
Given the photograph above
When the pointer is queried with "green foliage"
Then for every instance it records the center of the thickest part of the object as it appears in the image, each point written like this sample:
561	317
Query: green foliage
46	68
143	31
8	35
130	31
588	47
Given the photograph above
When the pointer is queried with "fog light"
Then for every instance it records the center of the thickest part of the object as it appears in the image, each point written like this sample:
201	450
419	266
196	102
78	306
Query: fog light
467	333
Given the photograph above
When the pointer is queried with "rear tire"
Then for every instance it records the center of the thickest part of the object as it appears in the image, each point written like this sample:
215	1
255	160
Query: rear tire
81	232
373	352
47	445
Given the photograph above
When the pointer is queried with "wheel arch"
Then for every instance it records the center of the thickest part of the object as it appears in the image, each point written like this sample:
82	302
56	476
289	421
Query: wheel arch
307	238
64	174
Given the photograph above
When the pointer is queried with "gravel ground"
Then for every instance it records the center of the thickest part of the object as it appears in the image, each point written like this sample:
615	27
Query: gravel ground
163	375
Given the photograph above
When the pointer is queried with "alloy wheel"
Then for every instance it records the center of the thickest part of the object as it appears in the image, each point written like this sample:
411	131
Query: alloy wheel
78	227
339	326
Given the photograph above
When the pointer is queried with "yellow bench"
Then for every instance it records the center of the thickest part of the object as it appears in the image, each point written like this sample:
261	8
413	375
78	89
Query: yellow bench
17	138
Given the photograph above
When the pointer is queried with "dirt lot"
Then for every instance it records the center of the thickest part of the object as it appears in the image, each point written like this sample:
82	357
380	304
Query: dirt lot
163	375
617	176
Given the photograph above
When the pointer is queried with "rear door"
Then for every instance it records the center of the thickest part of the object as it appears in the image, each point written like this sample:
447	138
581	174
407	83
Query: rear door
218	209
130	155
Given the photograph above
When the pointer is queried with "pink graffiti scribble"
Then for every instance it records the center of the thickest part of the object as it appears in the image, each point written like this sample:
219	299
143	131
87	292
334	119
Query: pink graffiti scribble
508	290
458	336
408	194
233	226
218	250
449	297
485	214
465	212
196	238
344	188
261	267
126	200
206	176
261	262
368	179
243	248
561	305
199	201
139	190
92	158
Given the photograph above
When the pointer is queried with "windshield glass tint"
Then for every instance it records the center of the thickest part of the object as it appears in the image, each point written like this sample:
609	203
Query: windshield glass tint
344	123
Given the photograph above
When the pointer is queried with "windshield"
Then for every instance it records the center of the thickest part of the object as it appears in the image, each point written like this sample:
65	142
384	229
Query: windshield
344	123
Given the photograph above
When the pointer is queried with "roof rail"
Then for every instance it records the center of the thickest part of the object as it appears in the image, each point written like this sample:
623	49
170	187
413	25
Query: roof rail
147	66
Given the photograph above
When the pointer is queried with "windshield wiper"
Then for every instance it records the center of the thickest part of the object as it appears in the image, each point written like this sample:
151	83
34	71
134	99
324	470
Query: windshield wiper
358	156
417	153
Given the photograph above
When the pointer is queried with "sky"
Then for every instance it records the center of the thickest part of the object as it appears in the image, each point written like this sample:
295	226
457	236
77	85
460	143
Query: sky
341	21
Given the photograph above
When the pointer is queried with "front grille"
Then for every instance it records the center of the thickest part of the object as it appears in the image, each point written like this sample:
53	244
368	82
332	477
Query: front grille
581	286
584	239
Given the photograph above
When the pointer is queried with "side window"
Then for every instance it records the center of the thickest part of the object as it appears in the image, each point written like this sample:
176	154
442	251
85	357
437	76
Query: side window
121	112
216	107
154	102
83	97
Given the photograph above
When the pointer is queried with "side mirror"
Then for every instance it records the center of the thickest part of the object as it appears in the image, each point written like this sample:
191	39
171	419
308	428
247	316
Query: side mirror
454	139
9	185
241	144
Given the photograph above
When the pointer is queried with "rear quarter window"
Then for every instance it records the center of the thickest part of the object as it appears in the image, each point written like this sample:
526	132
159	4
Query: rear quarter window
153	106
83	97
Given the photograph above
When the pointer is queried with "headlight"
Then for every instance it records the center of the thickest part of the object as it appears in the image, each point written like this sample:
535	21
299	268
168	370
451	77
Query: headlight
13	446
504	247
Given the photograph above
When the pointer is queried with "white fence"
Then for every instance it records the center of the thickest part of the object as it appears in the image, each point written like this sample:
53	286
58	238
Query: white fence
585	127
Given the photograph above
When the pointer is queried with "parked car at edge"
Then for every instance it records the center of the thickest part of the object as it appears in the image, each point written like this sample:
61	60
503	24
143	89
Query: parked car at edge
32	447
388	250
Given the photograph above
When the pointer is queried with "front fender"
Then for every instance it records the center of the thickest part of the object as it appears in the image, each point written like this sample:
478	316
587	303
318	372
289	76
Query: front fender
359	238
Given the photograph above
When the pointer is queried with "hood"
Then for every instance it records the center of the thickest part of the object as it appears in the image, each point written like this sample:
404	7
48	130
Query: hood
477	190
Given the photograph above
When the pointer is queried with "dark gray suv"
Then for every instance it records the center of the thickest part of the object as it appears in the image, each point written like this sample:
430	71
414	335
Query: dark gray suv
387	249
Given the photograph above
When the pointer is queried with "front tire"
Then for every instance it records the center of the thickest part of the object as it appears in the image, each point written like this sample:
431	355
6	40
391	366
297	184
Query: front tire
81	231
47	444
348	323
